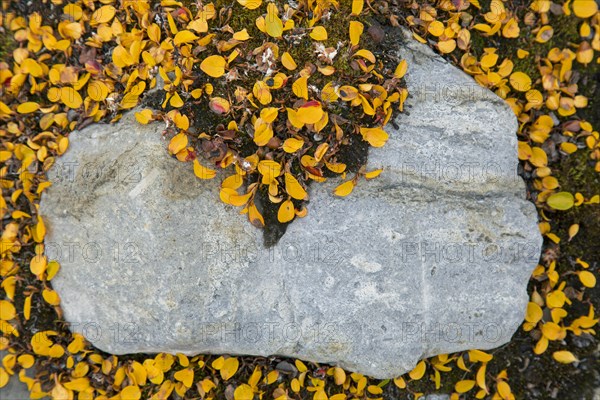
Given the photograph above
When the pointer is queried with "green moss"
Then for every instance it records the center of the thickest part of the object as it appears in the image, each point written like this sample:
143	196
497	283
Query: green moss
576	174
7	45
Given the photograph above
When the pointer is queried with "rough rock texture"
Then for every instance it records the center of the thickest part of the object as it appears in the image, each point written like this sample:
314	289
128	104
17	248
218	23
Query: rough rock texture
432	257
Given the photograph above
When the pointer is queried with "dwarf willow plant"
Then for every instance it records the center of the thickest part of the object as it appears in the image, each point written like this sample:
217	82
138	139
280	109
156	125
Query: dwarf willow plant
288	84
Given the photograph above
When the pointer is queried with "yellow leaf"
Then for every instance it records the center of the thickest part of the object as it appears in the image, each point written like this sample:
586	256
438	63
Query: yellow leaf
286	212
553	237
203	172
288	61
488	60
154	32
256	375
373	174
71	30
294	119
356	30
219	105
347	93
573	230
39	230
561	201
584	8
7	310
538	158
70	97
479	356
541	345
29	107
273	24
144	116
552	331
232	182
365	54
480	377
243	392
230	196
269	170
51	297
357	6
38	265
511	29
482	27
103	15
213	66
544	34
520	81
242	35
504	390
321	151
565	357
344	189
319	33
4	109
121	57
328	70
176	100
80	385
230	367
185	37
262	93
436	28
250	4
373	389
587	278
97	90
178	143
185	376
300	87
131	393
337	168
447	46
59	392
292	145
26	360
310	113
534	313
400	382
418	372
263	133
27	307
339	376
293	187
300	366
464	386
8	284
376	137
269	114
401	69
32	67
255	217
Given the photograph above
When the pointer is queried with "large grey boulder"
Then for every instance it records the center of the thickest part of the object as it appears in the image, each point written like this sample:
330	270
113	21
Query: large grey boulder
432	257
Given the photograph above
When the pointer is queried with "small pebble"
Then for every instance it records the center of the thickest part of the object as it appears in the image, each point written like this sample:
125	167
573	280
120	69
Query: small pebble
286	368
377	33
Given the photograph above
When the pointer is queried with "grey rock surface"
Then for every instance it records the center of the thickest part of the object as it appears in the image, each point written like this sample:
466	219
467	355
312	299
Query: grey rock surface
432	257
437	396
